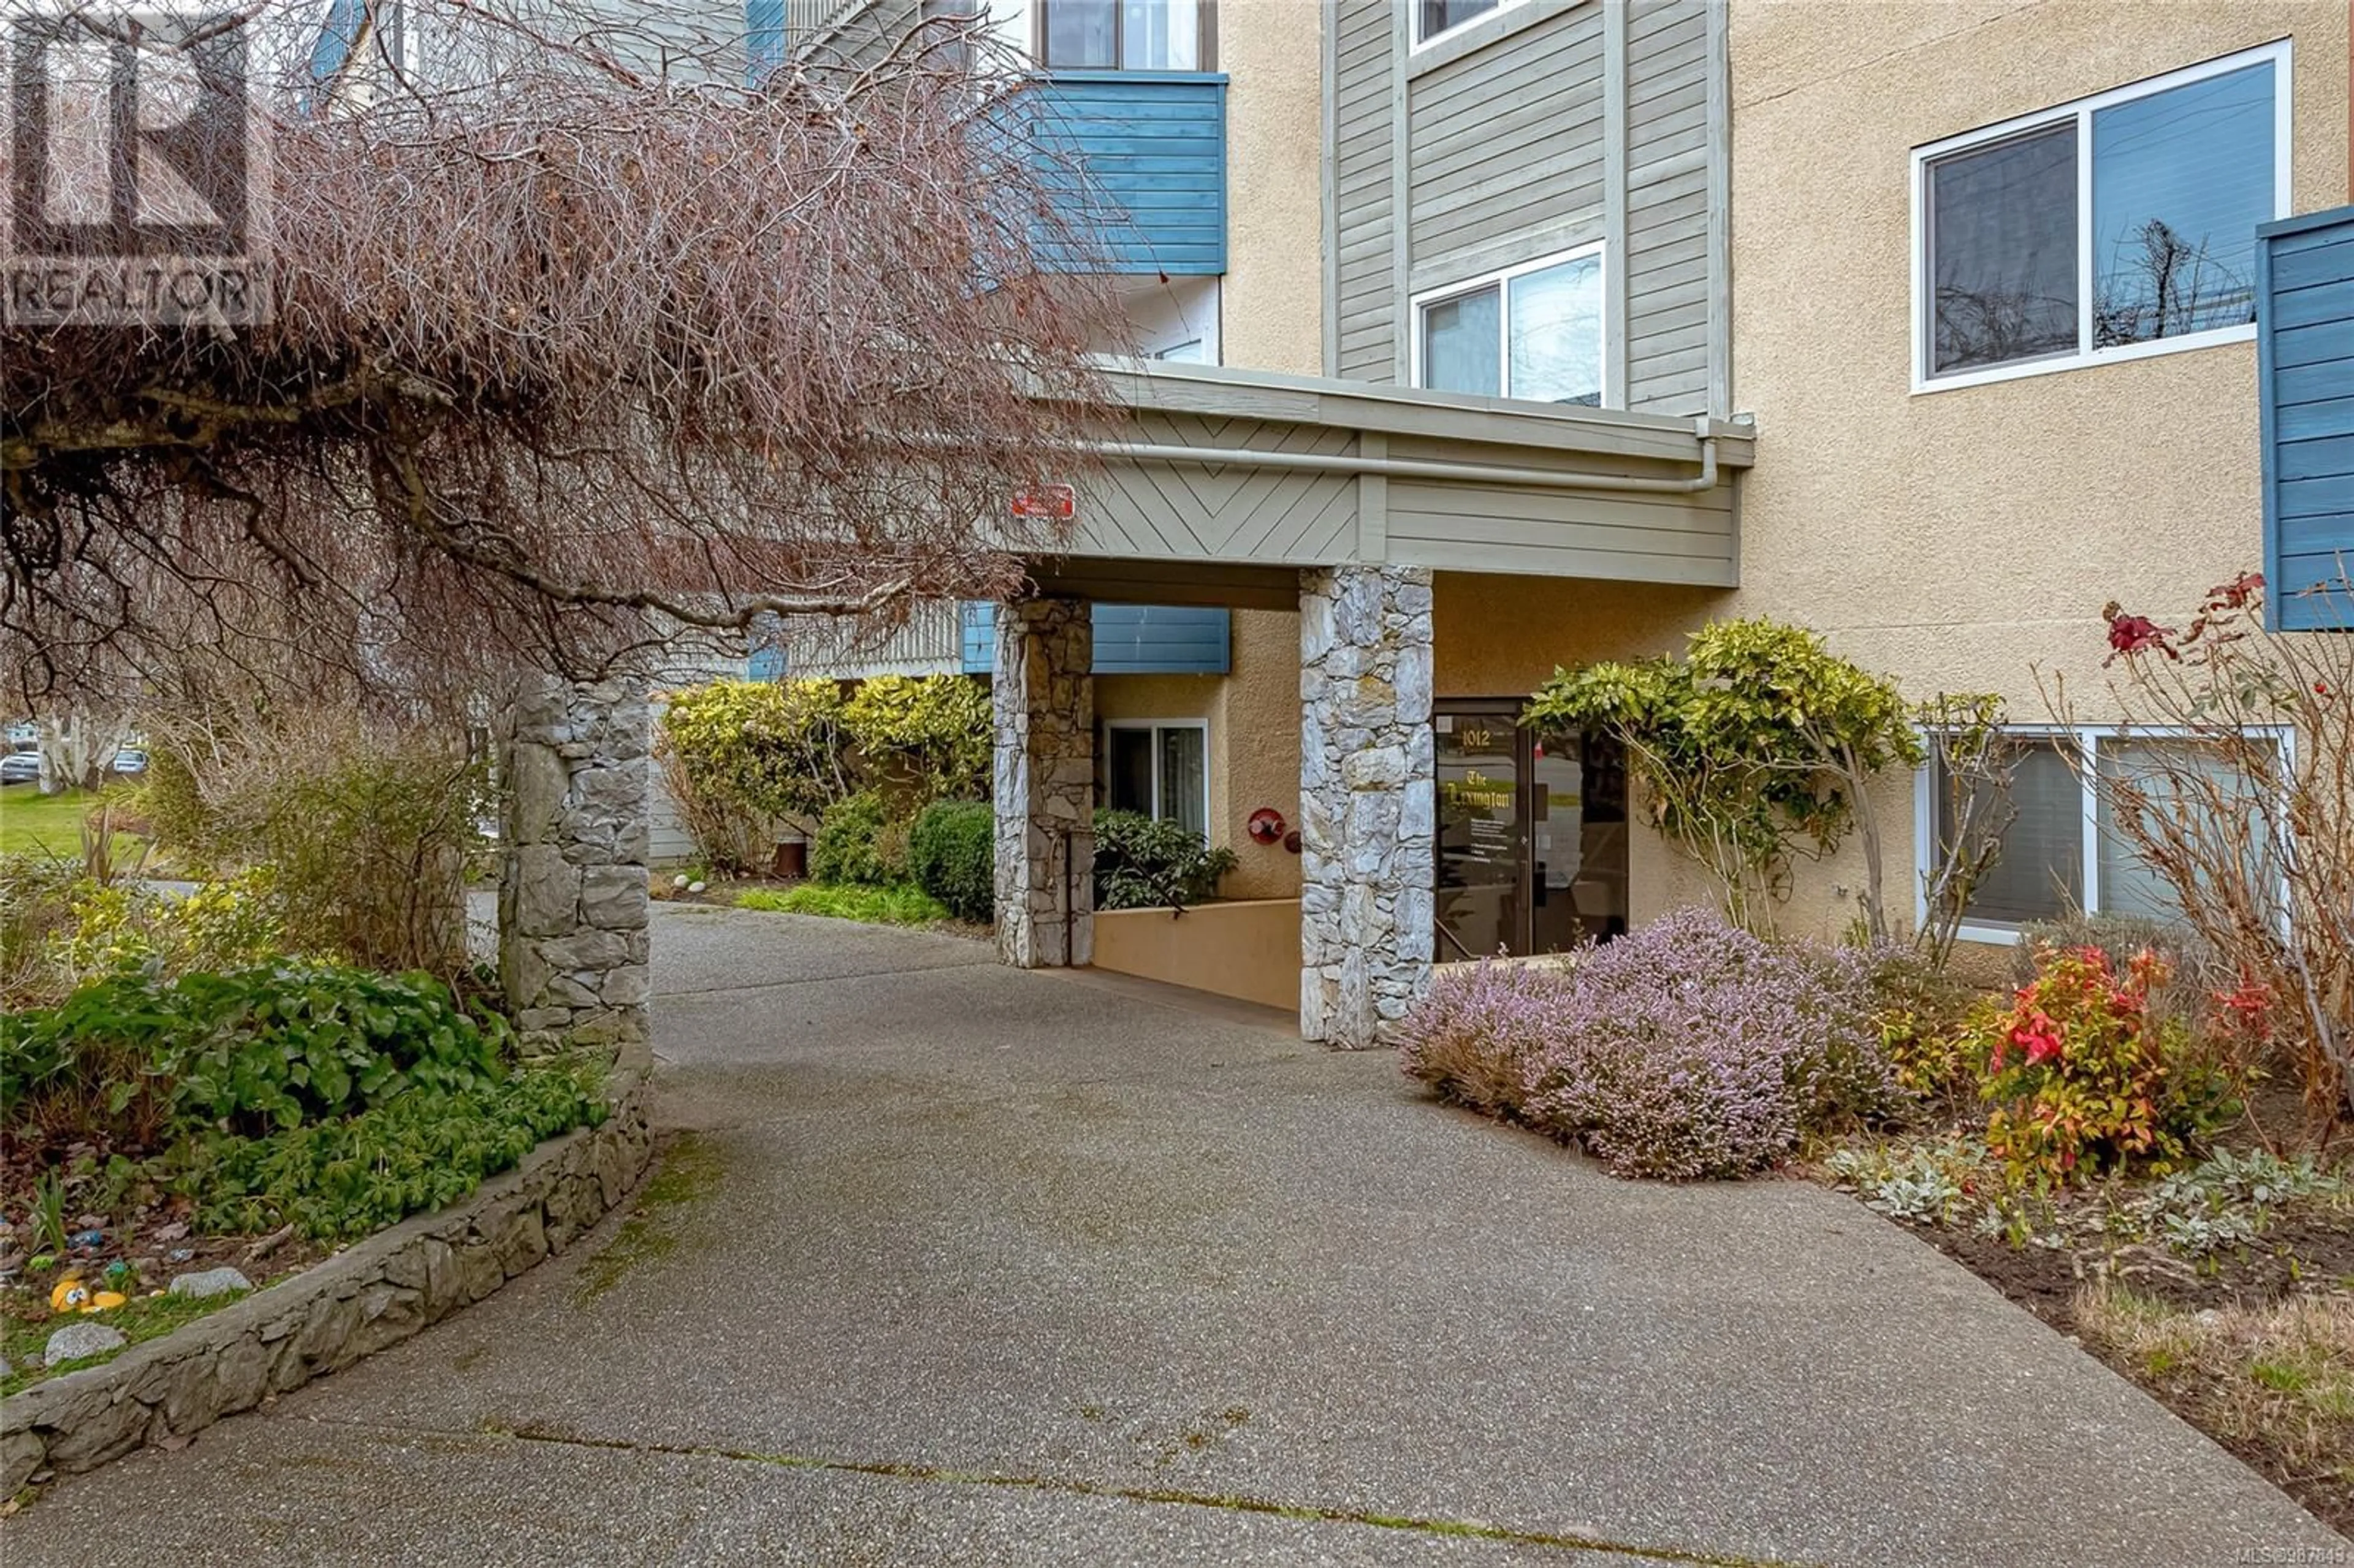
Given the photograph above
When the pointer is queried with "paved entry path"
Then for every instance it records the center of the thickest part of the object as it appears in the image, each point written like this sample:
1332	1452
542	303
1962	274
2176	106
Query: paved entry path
952	1265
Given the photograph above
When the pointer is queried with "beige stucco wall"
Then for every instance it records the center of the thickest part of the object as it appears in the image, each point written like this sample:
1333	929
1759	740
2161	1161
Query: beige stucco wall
1965	539
1272	297
1253	744
1248	950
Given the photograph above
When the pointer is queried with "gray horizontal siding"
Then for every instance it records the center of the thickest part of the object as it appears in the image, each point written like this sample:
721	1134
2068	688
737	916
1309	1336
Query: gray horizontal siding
1476	175
1666	247
1364	302
1562	124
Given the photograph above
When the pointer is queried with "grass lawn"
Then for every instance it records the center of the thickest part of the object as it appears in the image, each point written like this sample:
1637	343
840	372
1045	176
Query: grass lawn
141	1317
901	906
32	821
2275	1382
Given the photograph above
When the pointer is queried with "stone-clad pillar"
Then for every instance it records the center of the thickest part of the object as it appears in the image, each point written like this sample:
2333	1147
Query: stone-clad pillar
1046	774
573	942
1367	769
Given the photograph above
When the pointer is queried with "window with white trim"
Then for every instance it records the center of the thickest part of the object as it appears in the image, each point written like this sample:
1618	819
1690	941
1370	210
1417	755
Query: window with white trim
1127	34
1432	17
2061	851
1161	769
1532	331
2118	226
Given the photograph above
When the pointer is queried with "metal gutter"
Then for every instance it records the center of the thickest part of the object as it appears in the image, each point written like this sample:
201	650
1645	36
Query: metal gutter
1419	468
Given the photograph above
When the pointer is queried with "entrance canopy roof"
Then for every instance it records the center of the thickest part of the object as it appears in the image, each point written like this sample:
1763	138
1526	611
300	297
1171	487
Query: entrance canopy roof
1225	483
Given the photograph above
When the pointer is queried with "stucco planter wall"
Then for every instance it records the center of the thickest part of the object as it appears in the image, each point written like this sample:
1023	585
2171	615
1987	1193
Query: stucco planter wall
377	1293
1248	949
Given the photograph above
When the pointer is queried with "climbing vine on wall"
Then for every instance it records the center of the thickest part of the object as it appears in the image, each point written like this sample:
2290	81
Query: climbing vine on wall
1754	749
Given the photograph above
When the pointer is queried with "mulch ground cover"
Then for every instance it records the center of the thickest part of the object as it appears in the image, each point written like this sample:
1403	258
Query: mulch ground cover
2307	1251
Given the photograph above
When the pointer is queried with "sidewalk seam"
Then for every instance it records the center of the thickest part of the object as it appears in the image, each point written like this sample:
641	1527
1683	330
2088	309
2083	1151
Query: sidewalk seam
1471	1529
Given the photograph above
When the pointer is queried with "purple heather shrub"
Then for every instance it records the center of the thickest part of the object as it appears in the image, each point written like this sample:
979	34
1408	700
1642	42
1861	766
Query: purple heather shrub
1687	1049
1472	1037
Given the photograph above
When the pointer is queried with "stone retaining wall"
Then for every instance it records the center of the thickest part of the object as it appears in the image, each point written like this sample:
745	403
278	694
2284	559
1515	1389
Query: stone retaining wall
377	1293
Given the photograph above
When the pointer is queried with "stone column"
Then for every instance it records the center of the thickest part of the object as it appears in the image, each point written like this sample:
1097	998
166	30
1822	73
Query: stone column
1366	781
1045	776
573	942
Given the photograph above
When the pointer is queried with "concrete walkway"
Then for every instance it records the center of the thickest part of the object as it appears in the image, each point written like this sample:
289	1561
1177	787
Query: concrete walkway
953	1265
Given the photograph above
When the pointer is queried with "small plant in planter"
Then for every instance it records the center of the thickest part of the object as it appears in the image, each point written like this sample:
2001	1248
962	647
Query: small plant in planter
1142	863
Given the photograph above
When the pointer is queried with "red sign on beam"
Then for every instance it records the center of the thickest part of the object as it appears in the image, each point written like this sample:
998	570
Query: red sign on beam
1052	503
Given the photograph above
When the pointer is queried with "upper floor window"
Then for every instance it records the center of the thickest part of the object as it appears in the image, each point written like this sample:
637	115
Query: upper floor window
1532	331
1125	35
2121	225
1432	17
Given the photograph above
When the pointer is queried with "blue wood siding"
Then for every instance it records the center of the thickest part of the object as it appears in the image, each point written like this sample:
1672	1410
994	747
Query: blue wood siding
1143	156
1130	639
764	38
337	29
2305	370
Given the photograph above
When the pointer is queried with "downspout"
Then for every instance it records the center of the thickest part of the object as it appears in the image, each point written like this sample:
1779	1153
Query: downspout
1421	468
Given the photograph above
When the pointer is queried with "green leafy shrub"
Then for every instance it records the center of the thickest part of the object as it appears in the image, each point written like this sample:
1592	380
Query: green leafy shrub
899	905
952	850
233	923
411	1152
37	898
922	737
1756	748
741	757
858	844
2083	1074
278	1045
1917	1011
1143	863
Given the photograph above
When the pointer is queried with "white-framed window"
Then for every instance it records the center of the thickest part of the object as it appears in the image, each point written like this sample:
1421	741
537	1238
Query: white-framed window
1161	767
2062	853
1126	35
1533	330
2116	227
1433	17
1174	320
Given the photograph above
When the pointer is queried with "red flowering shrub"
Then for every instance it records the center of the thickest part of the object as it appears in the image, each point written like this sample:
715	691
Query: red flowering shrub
2082	1074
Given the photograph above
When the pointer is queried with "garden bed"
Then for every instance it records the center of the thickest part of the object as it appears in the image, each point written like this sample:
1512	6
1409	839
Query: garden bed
2234	1313
138	1262
369	1295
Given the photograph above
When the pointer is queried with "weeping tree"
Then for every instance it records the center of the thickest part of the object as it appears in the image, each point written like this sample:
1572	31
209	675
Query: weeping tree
582	332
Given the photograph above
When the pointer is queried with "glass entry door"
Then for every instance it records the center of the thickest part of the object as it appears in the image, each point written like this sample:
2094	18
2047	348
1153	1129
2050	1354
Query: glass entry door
1532	854
1482	845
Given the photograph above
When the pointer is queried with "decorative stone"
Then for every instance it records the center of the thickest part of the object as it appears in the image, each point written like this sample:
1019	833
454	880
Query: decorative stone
1043	701
614	897
210	1282
573	895
695	886
1367	782
75	1340
681	882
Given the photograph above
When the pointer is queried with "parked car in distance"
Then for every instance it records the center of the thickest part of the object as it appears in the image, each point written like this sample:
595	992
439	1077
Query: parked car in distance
129	760
20	767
